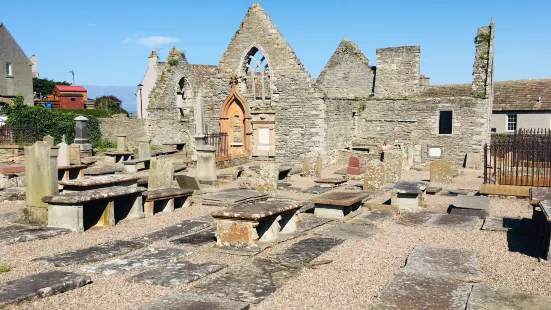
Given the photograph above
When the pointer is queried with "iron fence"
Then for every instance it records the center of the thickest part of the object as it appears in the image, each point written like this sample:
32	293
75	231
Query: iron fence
520	158
218	140
13	134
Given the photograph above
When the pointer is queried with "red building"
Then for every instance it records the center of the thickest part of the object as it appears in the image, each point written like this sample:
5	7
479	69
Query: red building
70	97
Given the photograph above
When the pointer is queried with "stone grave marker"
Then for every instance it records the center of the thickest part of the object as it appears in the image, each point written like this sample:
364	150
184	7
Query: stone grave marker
484	297
49	140
121	143
187	182
81	134
161	173
452	221
471	205
354	166
346	230
183	228
198	238
473	161
308	249
441	172
268	177
144	148
74	154
312	165
177	273
501	224
206	164
374	176
63	155
194	301
409	196
393	166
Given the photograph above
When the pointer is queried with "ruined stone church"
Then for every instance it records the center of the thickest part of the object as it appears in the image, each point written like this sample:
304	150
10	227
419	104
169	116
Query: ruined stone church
268	106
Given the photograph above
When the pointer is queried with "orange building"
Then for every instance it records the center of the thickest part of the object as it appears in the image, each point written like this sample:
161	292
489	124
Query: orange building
68	97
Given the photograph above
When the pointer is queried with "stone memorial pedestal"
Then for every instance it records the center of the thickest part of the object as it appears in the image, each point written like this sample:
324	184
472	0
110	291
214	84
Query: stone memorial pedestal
337	204
409	196
81	134
206	164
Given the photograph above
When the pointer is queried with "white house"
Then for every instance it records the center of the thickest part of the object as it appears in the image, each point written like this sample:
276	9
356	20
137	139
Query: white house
147	84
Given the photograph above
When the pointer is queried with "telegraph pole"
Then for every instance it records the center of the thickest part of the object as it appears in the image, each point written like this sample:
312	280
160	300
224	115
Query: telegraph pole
73	73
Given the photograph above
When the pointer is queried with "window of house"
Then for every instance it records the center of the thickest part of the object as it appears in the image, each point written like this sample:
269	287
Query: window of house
511	122
8	69
73	99
445	125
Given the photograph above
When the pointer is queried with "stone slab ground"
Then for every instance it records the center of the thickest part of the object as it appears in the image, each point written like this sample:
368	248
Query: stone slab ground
308	249
452	221
93	254
193	301
501	224
372	217
150	258
16	233
233	197
40	285
183	228
471	206
177	273
414	219
198	238
346	230
486	298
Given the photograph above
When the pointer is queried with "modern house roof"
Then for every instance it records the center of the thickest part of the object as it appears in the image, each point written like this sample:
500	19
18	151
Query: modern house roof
62	88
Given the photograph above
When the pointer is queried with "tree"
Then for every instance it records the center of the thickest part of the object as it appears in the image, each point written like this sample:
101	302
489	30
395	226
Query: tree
110	103
44	87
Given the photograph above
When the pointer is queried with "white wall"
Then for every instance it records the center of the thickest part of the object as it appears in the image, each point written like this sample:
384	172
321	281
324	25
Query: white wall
148	83
525	120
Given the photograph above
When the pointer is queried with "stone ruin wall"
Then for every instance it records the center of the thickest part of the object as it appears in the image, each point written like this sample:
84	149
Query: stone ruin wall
398	70
133	128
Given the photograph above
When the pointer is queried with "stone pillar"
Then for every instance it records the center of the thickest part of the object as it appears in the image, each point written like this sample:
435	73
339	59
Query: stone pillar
144	148
81	134
161	173
206	164
49	140
40	181
74	154
121	143
63	158
199	137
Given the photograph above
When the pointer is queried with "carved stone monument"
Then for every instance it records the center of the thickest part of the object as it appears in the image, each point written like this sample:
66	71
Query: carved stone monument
144	148
121	143
63	159
206	164
81	134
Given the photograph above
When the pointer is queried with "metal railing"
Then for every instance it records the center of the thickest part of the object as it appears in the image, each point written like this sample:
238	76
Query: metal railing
520	158
12	134
219	141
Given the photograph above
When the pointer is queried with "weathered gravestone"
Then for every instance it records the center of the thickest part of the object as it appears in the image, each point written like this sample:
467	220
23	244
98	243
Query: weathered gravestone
374	176
473	161
63	155
81	134
187	182
49	140
161	173
354	166
40	181
392	166
206	164
74	154
312	165
268	177
441	172
121	143
144	148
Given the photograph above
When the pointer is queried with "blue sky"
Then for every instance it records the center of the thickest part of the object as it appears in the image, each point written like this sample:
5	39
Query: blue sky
107	42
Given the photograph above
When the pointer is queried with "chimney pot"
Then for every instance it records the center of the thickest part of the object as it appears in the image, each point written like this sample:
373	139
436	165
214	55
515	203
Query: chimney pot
153	53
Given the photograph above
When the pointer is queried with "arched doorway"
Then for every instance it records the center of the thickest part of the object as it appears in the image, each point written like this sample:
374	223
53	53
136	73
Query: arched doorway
235	121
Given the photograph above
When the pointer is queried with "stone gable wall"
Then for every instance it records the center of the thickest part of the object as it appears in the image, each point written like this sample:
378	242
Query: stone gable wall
340	122
398	70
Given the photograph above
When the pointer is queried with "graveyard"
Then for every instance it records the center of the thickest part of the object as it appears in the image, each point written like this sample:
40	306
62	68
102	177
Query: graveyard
359	233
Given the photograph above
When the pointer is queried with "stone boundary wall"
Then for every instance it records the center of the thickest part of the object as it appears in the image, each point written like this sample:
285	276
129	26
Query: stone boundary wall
133	128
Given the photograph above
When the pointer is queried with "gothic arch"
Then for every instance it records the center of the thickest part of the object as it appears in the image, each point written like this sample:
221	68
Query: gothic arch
235	121
256	73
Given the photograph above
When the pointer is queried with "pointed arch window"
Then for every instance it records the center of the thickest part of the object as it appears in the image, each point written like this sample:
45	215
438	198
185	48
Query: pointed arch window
257	72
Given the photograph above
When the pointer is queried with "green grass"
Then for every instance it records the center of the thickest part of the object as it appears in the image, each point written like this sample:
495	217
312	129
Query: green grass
4	268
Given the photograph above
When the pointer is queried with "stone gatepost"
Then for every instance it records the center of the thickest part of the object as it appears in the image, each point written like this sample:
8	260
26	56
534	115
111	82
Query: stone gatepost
393	161
121	143
49	139
144	148
63	157
74	154
206	164
374	176
40	180
81	134
161	173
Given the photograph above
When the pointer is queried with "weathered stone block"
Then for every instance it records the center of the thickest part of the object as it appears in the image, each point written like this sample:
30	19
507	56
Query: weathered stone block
441	172
374	176
312	165
392	161
268	177
161	173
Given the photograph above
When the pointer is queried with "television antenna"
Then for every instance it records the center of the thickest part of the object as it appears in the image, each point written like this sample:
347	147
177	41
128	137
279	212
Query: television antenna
157	50
73	74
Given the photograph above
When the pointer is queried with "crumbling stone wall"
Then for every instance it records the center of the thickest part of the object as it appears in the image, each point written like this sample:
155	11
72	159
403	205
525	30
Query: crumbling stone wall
133	128
342	116
398	70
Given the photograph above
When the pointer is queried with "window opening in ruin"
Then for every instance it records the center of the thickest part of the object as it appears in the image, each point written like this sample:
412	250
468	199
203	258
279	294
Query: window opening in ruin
445	126
511	122
257	71
8	69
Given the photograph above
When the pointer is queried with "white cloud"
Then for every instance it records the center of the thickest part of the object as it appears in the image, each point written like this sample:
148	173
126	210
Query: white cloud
130	39
154	41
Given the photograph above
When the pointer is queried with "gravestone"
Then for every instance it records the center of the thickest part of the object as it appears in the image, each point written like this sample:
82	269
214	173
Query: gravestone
268	177
74	154
161	173
40	181
187	182
374	176
312	165
441	172
63	155
49	140
473	161
206	164
81	134
121	143
392	166
353	166
144	148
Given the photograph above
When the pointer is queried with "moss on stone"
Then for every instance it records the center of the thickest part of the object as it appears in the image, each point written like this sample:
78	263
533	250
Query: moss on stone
355	50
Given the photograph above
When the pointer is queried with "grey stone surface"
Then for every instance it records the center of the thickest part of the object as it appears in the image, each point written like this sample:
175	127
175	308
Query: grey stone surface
309	222
40	173
414	219
268	177
472	202
312	165
199	238
392	162
372	217
63	155
8	217
102	180
15	234
92	194
259	210
441	172
452	221
49	140
486	298
433	190
161	173
182	228
374	176
501	224
455	264
414	291
193	301
346	230
177	273
93	254
40	285
406	187
206	163
152	257
469	212
103	170
316	190
251	282
233	197
187	182
308	249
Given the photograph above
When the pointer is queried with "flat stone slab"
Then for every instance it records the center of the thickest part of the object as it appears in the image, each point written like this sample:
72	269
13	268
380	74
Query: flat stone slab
194	301
501	224
453	264
545	207
472	202
259	210
166	193
345	230
540	193
150	258
309	222
372	217
433	190
341	171
414	219
340	198
409	291
251	282
17	234
177	273
100	180
199	238
118	153
40	285
102	171
405	187
307	250
456	192
316	190
9	217
93	253
487	298
452	221
12	194
233	197
183	228
92	194
469	212
332	181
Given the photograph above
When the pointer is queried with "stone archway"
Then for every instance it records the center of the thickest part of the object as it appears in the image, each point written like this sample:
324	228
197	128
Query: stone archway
235	121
